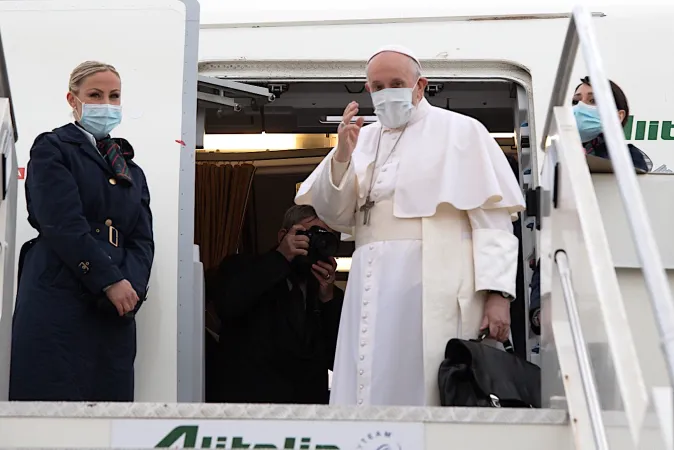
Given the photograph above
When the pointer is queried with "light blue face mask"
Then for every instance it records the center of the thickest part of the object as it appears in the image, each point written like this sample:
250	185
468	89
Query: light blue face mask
100	120
588	121
393	106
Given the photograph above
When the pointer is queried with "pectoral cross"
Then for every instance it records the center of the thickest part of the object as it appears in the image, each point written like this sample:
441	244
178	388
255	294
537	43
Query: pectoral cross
365	209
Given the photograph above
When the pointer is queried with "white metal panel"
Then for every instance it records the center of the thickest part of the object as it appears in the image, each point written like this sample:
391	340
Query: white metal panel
578	232
577	228
656	189
70	425
437	35
7	242
189	340
560	367
44	41
197	392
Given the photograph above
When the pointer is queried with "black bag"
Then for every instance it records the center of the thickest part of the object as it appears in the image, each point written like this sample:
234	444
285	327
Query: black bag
474	374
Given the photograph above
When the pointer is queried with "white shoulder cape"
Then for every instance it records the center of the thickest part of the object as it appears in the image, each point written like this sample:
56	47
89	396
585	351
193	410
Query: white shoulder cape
446	157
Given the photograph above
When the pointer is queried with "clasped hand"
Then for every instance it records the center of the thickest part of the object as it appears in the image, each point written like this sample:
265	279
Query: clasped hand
122	296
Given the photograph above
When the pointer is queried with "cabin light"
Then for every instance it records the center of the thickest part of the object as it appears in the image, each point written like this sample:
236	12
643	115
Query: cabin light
250	142
343	264
338	119
372	119
263	142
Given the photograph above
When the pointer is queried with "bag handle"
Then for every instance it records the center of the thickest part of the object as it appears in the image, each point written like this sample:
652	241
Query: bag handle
507	345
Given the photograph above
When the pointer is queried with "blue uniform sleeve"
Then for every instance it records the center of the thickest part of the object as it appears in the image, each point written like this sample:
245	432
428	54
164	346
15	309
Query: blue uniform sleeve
57	208
139	246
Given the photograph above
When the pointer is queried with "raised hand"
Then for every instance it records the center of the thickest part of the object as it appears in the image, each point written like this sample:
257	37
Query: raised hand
348	133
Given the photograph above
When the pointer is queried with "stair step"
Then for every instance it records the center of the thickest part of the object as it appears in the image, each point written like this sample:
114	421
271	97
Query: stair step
145	425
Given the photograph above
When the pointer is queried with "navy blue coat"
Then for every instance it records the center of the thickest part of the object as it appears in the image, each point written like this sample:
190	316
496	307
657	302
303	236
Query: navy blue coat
68	343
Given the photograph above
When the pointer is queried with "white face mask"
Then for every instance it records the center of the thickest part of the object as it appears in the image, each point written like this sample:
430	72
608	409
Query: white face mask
393	107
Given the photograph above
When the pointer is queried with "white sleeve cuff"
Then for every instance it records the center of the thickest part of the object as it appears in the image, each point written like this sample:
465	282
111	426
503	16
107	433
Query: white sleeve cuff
495	255
338	173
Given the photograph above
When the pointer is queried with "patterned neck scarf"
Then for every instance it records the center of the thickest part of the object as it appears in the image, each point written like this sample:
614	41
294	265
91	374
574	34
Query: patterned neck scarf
596	147
116	153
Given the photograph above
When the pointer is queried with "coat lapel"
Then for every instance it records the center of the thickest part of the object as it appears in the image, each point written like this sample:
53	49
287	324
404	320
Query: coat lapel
70	133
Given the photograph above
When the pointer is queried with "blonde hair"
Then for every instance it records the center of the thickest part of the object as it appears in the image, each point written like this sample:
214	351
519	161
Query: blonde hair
86	69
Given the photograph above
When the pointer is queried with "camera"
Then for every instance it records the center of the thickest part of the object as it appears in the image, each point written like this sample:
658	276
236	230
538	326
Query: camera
323	244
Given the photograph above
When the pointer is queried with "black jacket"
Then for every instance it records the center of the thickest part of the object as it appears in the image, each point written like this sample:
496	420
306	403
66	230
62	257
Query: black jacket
273	349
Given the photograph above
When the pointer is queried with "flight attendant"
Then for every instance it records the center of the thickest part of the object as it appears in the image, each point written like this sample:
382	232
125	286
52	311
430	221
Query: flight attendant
590	128
83	279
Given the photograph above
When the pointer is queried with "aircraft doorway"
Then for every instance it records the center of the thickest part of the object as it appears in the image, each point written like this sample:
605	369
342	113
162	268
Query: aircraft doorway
262	139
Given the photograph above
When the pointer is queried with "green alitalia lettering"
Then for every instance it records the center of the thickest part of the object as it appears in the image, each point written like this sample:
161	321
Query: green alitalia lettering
652	130
238	444
189	434
641	128
667	133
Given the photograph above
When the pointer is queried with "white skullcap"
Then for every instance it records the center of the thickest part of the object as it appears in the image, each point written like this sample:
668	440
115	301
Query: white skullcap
396	49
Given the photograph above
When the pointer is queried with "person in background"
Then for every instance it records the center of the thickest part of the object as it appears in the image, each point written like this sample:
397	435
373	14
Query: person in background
82	280
591	134
279	320
589	123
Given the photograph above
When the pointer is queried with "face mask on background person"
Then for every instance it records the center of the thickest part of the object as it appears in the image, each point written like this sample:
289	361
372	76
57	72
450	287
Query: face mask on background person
393	107
100	120
588	121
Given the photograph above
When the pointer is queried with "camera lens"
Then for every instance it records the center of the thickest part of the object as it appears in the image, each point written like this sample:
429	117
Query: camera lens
324	243
329	244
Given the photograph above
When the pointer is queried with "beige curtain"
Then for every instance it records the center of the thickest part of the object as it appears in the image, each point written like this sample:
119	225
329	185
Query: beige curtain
221	197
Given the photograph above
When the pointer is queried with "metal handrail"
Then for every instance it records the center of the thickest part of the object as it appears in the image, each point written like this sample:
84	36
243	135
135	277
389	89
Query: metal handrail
581	33
563	77
584	365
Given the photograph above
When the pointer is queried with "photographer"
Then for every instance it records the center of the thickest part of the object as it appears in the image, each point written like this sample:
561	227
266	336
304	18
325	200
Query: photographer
280	316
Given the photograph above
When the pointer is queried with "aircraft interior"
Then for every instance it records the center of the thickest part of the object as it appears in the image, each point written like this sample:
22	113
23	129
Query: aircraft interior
262	139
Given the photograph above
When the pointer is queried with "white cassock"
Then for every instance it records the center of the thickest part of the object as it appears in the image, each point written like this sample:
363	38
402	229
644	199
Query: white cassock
439	233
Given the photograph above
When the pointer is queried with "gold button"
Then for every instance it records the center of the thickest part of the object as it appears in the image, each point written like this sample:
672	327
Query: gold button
108	222
112	181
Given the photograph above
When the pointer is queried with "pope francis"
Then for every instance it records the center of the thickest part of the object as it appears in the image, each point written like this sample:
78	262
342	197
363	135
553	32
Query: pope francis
428	196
